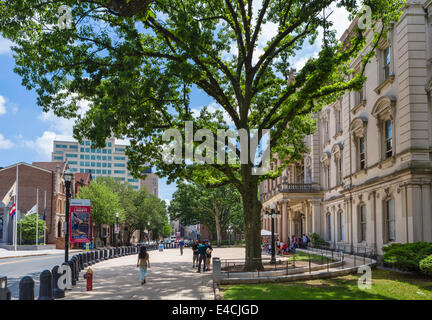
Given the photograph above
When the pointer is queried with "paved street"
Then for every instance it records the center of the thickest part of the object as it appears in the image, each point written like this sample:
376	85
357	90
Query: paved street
16	268
171	277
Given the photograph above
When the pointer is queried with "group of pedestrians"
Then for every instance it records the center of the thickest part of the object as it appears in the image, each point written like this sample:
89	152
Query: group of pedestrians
290	246
202	254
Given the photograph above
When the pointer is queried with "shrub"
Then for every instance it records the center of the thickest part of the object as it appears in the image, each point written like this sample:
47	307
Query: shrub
406	256
317	240
426	265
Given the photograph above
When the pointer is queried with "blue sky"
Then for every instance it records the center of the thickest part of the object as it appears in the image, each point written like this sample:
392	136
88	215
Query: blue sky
26	133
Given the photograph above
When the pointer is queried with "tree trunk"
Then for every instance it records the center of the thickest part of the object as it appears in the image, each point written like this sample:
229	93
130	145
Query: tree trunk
252	220
218	229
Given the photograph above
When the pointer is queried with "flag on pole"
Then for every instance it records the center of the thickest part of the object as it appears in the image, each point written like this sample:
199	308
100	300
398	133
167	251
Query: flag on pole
32	210
9	195
12	211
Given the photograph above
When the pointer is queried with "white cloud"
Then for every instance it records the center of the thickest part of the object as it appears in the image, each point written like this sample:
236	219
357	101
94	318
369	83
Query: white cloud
5	45
42	145
2	105
5	143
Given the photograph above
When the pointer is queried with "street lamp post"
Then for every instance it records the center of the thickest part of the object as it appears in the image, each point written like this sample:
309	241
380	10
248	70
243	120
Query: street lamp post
273	215
117	229
229	235
68	179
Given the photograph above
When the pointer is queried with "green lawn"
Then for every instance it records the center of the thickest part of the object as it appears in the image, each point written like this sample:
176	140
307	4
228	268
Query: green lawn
387	285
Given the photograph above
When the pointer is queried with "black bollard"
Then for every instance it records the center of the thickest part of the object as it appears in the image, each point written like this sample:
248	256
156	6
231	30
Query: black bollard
97	256
93	259
73	278
76	266
84	255
57	292
45	286
89	258
26	288
102	255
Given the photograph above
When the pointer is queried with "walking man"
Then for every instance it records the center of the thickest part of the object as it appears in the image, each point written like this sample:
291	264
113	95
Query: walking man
202	256
195	254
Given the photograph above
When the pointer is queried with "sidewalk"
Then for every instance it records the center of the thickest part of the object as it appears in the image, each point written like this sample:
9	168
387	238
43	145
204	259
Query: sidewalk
7	254
170	277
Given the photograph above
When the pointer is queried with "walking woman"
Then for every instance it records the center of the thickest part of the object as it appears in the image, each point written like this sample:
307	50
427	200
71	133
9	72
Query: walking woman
143	263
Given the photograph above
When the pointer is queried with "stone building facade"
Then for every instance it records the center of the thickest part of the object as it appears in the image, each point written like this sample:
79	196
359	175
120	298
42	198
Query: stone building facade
367	181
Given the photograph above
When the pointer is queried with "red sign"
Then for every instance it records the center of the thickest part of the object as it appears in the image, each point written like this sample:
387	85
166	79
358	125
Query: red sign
80	221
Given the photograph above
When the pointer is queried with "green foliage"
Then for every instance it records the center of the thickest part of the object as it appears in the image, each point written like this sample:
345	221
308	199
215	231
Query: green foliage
104	204
137	208
27	228
137	66
317	240
167	229
426	265
217	208
406	256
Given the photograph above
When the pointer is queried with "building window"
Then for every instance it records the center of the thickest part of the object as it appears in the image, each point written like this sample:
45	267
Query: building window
388	136
329	227
362	153
341	226
390	222
338	119
387	63
362	223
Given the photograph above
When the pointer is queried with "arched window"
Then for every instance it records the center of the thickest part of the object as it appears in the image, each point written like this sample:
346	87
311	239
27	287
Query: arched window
358	130
384	112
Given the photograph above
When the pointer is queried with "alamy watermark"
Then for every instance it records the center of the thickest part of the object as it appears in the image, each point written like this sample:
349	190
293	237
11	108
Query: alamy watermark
65	19
232	147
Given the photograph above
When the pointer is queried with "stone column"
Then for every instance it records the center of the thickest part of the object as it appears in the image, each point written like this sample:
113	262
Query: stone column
285	222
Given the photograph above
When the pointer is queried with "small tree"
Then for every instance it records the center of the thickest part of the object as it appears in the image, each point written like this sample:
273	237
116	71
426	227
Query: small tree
27	228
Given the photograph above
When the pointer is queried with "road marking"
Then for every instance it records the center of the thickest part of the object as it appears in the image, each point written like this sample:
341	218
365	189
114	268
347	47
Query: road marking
22	260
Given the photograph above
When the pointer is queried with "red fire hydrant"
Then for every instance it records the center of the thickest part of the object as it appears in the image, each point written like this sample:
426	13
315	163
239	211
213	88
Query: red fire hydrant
89	277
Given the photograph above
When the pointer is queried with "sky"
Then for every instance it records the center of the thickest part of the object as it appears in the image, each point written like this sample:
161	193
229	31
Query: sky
27	133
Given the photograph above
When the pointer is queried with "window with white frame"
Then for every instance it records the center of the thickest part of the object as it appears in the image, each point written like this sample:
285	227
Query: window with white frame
390	221
384	112
362	153
387	62
341	226
362	223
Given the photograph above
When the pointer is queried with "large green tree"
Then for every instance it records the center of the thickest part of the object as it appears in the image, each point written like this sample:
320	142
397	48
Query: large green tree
137	62
217	208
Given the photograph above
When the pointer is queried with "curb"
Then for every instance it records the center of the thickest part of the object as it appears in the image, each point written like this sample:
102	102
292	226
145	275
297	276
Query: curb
30	255
217	295
33	255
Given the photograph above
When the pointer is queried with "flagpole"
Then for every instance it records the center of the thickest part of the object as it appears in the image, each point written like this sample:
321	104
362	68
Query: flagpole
37	216
44	217
16	208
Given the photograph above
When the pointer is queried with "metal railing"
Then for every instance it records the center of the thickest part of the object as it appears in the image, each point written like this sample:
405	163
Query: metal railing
287	265
360	255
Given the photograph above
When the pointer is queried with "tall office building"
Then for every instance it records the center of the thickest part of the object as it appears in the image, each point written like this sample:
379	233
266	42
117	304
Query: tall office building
110	161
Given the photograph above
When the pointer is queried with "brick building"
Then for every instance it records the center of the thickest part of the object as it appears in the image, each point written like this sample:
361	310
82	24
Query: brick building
34	181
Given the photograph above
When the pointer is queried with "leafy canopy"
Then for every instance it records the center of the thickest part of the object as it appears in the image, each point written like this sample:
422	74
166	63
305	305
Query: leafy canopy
137	62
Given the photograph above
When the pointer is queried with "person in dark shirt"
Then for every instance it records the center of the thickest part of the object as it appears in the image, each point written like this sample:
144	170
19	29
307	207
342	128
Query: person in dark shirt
195	254
202	256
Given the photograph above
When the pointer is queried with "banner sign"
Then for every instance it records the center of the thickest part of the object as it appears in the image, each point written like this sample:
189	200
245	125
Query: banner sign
80	220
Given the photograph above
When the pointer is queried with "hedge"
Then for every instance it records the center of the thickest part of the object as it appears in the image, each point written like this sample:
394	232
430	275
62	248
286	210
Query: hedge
426	265
406	256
